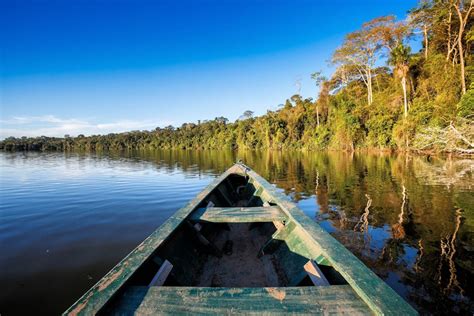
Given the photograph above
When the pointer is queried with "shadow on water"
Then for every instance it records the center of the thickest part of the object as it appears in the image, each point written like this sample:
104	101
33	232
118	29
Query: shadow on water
409	218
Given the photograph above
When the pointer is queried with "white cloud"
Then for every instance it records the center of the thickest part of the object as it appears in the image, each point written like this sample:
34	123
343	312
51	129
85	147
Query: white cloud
50	125
39	119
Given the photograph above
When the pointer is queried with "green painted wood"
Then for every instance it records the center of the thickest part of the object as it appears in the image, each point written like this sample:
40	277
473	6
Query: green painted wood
322	260
94	299
338	299
382	299
277	238
298	244
308	239
238	214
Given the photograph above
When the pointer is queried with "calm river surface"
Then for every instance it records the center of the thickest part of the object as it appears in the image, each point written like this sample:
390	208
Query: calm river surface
66	219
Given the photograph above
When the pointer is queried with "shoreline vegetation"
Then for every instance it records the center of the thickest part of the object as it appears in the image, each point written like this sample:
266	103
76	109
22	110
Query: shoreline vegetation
381	96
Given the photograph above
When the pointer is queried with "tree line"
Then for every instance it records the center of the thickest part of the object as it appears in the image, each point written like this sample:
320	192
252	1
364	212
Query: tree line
381	95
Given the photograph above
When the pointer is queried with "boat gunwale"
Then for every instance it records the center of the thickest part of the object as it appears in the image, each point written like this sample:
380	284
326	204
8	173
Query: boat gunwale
101	292
377	294
379	297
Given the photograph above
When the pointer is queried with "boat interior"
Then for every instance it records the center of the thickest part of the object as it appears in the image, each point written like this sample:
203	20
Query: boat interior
236	238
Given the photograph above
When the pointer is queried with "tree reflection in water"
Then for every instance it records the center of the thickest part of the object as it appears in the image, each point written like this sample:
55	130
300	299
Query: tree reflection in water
448	250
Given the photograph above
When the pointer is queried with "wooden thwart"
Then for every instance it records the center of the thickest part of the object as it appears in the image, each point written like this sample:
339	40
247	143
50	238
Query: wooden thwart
249	301
315	274
238	214
160	277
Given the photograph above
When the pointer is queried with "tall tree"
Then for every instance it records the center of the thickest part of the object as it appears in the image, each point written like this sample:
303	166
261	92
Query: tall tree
463	9
361	50
247	114
221	120
392	32
399	59
421	18
449	47
319	80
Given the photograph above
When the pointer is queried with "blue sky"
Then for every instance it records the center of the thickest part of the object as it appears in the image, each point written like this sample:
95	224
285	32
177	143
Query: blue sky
94	67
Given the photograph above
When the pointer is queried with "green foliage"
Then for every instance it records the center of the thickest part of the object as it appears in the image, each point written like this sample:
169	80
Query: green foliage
363	104
345	125
465	107
439	86
380	128
399	56
403	133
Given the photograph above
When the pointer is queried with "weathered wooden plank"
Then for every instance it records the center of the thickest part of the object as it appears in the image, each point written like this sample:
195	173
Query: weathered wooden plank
382	299
315	274
238	214
338	299
160	277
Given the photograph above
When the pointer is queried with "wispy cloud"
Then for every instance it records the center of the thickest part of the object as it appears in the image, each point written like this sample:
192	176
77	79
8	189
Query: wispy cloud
21	120
50	125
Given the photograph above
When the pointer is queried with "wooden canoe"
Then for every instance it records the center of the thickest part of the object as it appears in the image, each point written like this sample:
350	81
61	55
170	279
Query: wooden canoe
240	246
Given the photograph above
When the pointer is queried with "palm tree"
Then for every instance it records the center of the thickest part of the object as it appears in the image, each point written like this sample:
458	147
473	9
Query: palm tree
399	59
319	80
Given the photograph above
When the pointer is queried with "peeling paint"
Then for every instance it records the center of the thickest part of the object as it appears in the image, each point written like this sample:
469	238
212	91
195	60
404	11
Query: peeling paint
276	293
107	280
80	306
234	291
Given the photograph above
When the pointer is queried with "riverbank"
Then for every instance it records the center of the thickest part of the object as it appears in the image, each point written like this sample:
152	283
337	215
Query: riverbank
247	135
60	145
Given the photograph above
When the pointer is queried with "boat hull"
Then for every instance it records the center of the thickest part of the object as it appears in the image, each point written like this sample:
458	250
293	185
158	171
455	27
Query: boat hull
286	262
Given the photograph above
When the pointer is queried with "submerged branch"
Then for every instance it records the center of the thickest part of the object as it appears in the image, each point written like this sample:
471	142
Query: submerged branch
455	139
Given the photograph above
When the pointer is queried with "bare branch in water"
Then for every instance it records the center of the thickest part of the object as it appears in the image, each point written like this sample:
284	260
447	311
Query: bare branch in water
455	139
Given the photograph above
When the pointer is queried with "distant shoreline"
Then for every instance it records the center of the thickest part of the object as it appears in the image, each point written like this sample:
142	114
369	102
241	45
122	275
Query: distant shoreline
374	151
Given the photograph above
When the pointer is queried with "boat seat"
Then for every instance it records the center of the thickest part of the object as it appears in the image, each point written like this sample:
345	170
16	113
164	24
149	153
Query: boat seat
336	299
238	214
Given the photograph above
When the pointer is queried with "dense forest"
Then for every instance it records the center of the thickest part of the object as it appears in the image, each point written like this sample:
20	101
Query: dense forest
380	96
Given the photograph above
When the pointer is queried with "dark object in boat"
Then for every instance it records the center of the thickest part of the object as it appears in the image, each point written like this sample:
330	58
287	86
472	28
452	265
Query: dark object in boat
281	262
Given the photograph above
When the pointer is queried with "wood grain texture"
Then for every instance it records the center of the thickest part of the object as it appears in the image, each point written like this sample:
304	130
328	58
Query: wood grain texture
339	299
238	214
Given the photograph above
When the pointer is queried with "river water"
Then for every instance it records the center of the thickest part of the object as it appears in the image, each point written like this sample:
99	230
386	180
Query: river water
66	219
